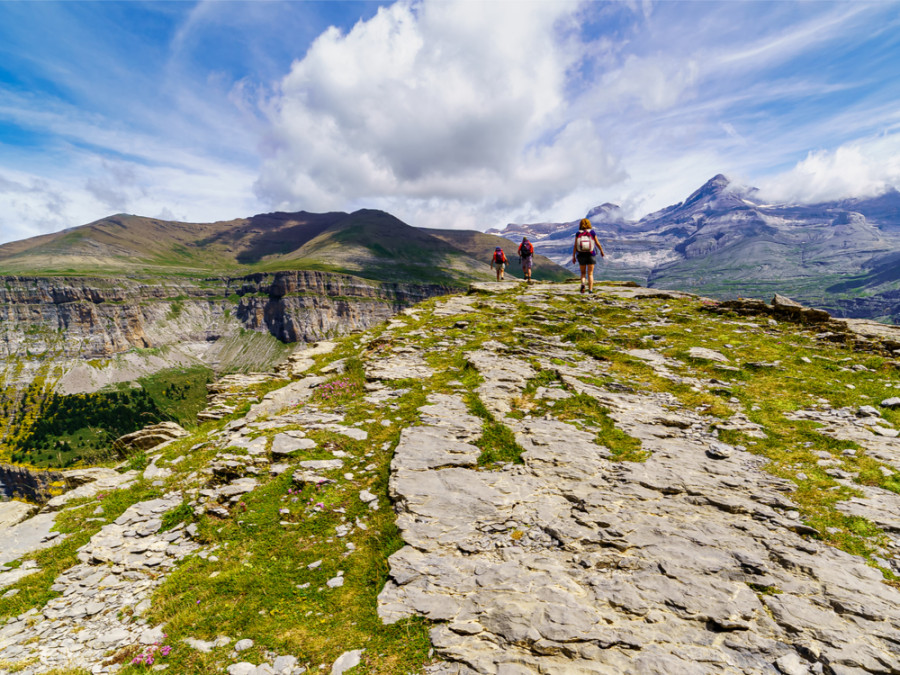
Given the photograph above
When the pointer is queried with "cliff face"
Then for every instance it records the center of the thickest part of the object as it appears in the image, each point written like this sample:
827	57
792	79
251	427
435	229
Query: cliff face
97	318
22	483
47	321
306	306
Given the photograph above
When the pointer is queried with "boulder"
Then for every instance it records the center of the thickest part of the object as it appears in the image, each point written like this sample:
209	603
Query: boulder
707	354
149	437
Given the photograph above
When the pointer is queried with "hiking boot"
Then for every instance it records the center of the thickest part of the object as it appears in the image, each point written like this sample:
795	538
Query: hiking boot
582	288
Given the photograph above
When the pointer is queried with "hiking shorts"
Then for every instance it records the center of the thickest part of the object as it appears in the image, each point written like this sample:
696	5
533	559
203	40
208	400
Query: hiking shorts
586	258
527	262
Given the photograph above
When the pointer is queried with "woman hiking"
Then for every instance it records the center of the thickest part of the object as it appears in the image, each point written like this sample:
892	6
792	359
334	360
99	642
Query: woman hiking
584	250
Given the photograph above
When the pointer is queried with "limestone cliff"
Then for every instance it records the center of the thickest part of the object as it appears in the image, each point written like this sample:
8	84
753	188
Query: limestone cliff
22	483
63	321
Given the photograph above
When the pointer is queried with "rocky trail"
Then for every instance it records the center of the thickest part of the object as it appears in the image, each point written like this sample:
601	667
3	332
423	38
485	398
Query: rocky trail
521	480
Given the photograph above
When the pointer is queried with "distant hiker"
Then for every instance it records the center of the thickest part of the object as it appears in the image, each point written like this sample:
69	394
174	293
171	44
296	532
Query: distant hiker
585	251
499	259
526	253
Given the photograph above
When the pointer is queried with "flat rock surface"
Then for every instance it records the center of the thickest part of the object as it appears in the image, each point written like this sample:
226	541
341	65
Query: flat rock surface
398	367
690	562
103	482
26	537
119	568
688	558
14	512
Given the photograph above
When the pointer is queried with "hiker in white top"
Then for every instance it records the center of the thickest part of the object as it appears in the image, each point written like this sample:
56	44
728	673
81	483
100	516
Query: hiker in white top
585	251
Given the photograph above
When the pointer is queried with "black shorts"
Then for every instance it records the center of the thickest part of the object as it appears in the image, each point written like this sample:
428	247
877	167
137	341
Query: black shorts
586	258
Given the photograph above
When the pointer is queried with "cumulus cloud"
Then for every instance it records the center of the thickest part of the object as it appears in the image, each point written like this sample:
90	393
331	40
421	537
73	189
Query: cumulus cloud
30	205
859	169
116	186
432	101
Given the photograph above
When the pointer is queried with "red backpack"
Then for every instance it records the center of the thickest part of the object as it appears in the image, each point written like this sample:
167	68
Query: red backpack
499	256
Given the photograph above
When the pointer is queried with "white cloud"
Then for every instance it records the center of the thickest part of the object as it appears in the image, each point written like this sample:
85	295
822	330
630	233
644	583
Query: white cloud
94	188
859	169
452	113
30	205
456	101
656	82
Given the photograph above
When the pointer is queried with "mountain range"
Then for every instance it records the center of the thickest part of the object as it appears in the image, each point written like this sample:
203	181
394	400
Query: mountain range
723	241
368	244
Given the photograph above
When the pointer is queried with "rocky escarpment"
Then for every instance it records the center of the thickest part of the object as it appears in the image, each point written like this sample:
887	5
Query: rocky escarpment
861	333
618	483
99	317
61	321
26	484
307	306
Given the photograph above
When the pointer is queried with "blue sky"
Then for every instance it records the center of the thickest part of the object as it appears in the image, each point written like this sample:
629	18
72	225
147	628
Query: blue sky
447	114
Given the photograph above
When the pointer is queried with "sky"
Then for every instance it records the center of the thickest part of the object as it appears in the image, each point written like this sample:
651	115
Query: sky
452	113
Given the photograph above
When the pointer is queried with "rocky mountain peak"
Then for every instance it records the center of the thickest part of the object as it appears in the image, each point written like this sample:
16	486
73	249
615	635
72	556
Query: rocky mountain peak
709	191
606	213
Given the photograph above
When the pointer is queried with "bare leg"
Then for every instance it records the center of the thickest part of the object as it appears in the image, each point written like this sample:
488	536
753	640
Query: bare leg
583	268
590	274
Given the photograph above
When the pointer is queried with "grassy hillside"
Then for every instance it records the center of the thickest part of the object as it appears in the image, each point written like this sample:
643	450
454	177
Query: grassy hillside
49	430
369	244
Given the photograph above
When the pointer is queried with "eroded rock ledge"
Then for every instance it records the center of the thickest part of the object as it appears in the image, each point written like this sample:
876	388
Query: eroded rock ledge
696	560
861	333
691	562
101	317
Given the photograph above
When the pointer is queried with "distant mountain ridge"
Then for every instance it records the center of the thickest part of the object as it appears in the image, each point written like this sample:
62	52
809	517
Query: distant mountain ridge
724	241
367	243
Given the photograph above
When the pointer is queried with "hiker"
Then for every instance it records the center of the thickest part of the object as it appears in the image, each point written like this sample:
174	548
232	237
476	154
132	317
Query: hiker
499	259
585	251
526	255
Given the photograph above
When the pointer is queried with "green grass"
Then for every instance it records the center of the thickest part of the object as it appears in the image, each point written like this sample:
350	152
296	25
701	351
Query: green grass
766	395
585	411
261	561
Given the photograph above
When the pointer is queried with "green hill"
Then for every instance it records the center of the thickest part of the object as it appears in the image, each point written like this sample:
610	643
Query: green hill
367	243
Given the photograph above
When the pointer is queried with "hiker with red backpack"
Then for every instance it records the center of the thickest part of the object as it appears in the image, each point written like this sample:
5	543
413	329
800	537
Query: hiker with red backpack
585	251
526	255
499	259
